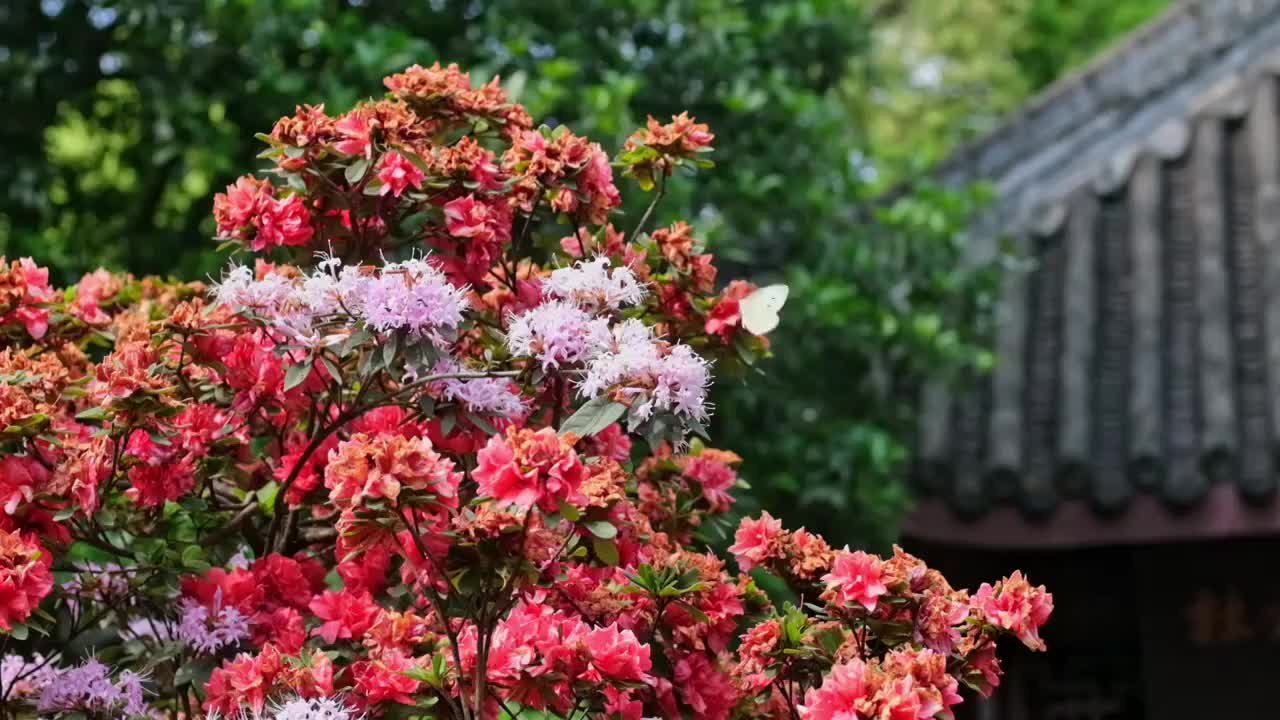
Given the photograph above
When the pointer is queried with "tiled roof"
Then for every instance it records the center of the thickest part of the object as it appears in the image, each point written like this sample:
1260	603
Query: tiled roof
1141	354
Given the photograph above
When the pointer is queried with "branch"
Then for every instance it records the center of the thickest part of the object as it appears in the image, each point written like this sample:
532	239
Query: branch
644	219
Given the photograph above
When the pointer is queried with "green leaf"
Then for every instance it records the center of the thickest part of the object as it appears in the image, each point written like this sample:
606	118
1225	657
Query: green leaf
389	349
481	423
295	374
19	632
605	550
96	413
602	529
355	340
570	512
595	415
193	558
267	497
356	170
195	672
334	372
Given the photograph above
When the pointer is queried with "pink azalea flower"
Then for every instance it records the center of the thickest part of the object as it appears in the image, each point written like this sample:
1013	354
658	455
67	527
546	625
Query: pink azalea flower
241	204
839	696
618	655
356	132
855	578
25	577
704	687
525	467
467	217
501	478
715	477
397	173
757	541
1016	606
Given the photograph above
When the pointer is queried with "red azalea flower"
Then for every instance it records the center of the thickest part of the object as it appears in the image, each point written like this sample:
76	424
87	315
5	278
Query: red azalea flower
283	222
384	679
346	615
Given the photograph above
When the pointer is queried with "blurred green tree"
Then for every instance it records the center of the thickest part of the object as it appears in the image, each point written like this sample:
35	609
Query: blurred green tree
126	116
945	71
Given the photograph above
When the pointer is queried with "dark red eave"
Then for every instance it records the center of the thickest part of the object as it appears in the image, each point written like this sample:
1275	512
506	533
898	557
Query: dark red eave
1222	513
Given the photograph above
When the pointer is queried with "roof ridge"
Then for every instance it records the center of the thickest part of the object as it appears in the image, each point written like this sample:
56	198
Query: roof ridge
1110	55
1176	33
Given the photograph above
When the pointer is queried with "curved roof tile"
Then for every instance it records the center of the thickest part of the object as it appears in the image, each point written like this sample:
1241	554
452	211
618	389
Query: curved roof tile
1141	354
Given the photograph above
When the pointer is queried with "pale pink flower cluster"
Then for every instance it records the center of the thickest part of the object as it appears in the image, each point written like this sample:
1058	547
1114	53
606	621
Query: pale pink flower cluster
104	583
410	295
651	374
574	331
207	632
314	709
89	688
266	296
557	333
495	396
22	678
591	285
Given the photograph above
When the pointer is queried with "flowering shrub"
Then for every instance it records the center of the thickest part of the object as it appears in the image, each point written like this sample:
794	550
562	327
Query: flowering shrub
438	452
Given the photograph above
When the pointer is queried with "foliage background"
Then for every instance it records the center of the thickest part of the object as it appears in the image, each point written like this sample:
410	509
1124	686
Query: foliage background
124	117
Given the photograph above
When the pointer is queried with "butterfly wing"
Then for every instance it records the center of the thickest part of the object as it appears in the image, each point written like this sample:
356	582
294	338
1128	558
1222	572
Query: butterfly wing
760	309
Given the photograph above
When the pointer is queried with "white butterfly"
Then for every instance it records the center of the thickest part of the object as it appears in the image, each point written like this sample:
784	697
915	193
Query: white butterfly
760	308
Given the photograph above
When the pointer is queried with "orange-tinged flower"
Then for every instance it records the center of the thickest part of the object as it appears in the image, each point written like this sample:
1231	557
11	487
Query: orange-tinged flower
527	467
381	466
1016	606
757	541
25	577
